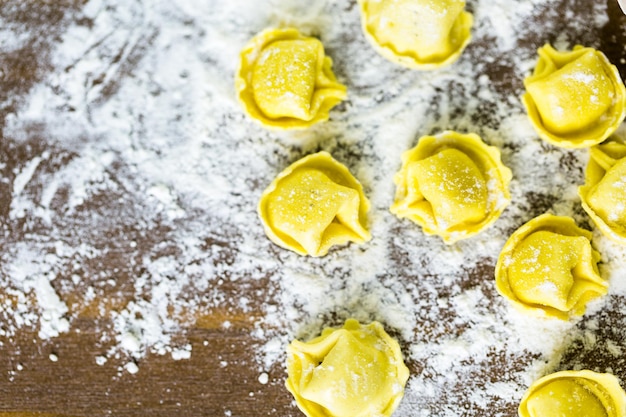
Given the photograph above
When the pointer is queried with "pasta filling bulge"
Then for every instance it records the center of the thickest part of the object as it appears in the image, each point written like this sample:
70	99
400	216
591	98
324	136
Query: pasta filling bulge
452	185
573	394
574	96
314	204
549	268
353	371
422	34
285	80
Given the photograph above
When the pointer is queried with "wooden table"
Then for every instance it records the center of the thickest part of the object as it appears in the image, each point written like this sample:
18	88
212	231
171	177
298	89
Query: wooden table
60	376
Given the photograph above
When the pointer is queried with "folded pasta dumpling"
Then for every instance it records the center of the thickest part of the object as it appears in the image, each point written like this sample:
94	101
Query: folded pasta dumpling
353	371
314	204
452	185
604	194
548	268
421	34
574	98
286	81
573	394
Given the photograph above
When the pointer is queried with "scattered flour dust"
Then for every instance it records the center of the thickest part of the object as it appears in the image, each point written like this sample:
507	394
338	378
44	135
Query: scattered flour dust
142	170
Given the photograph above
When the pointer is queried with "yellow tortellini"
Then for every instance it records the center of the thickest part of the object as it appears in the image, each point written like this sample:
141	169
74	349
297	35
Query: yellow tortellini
314	204
286	81
422	34
574	394
353	371
604	194
548	268
574	99
452	185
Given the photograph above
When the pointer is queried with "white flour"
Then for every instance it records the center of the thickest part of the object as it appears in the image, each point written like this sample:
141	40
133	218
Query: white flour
144	146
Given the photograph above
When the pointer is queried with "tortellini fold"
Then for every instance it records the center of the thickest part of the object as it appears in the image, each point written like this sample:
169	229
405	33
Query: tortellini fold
548	268
573	394
314	204
575	98
604	194
353	371
421	34
452	185
286	81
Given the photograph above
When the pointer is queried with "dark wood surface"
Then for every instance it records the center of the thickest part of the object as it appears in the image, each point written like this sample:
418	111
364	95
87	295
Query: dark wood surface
31	384
200	386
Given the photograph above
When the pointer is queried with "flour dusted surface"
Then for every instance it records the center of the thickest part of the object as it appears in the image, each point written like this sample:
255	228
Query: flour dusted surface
130	178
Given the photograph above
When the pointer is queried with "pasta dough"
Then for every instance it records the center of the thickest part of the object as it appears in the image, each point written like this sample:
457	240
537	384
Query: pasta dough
353	371
286	81
573	394
575	98
604	194
421	34
548	268
314	204
452	185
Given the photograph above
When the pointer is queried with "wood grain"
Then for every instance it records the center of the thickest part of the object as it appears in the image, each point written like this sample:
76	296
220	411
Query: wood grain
221	377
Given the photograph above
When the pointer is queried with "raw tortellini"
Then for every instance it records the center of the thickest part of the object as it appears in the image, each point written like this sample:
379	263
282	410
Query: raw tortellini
604	193
286	81
314	204
353	371
452	185
548	268
421	34
575	98
574	394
